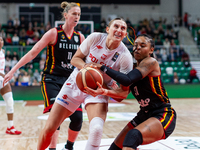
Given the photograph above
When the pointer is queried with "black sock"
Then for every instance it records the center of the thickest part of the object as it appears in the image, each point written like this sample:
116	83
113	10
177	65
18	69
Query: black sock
69	145
52	148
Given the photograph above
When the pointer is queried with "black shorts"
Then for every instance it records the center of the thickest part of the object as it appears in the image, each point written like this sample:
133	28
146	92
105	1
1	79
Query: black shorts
50	87
165	114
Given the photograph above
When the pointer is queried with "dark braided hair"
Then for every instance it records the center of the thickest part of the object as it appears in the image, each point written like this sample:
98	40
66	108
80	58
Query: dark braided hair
150	40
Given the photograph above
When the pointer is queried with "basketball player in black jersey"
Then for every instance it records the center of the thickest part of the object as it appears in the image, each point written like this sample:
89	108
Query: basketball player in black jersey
156	119
62	43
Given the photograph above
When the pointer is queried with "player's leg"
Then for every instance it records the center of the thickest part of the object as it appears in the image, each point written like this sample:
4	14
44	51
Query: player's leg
50	89
150	128
54	140
7	95
147	132
64	106
118	142
57	115
97	115
74	128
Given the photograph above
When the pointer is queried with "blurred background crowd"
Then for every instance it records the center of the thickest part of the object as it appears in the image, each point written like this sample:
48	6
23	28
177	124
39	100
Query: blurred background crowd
174	60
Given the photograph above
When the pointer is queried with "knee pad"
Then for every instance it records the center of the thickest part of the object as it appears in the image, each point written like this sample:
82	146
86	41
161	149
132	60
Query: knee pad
96	130
76	121
133	139
8	98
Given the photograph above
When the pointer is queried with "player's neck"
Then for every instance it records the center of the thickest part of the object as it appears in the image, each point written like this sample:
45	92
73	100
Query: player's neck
68	30
111	45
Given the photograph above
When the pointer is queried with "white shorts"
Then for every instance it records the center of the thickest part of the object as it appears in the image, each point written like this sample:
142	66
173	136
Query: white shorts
1	82
71	97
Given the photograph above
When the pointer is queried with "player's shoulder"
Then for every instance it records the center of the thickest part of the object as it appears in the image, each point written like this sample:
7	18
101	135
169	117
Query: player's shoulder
150	60
123	47
96	36
50	35
53	30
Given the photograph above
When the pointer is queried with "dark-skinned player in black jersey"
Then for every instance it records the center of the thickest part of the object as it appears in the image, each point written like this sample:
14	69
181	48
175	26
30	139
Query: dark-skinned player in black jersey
156	118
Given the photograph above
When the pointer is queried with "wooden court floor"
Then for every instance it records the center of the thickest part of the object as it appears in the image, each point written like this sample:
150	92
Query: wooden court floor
25	119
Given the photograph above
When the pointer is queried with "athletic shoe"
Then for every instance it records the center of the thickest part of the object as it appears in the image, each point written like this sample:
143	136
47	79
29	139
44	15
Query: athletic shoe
12	130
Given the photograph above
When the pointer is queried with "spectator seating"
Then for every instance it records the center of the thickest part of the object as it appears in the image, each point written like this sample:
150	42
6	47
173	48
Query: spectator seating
182	72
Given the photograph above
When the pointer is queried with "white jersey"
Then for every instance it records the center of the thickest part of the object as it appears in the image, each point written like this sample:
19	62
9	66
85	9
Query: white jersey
2	62
95	49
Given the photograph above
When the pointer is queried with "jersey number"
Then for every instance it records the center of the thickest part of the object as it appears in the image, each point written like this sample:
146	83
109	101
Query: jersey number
69	56
136	91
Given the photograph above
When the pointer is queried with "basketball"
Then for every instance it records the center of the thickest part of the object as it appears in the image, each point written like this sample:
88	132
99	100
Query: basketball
88	77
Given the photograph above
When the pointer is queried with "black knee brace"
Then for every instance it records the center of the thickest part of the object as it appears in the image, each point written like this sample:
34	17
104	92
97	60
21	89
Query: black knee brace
113	146
76	121
133	139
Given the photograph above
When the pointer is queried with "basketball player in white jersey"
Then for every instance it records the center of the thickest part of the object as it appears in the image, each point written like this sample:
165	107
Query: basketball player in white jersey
102	48
6	93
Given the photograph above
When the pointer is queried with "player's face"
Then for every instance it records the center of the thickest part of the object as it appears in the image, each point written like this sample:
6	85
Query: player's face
73	15
142	48
117	31
1	42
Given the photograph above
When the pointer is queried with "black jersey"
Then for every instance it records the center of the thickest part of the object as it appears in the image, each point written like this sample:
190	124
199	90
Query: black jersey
150	93
58	56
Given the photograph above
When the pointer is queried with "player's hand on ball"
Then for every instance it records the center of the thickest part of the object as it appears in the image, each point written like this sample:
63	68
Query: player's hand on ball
93	65
99	91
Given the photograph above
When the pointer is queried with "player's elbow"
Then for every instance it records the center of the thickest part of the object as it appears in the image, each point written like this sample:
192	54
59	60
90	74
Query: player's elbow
120	98
72	61
123	80
124	93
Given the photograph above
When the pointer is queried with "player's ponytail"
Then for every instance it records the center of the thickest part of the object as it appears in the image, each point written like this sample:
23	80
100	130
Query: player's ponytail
67	6
64	4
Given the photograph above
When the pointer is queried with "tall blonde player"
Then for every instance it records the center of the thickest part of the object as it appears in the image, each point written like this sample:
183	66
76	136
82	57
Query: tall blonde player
62	42
6	93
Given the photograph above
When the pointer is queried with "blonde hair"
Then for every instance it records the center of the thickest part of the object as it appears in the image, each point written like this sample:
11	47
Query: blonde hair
67	6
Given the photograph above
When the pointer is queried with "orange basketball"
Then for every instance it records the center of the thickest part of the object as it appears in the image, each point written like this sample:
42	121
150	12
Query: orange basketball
88	77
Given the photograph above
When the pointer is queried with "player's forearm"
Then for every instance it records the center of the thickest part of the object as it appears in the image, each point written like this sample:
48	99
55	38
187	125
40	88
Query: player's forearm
78	62
24	60
124	79
118	93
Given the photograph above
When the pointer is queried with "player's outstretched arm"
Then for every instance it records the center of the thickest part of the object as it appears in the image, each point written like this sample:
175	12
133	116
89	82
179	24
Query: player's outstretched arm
48	38
117	94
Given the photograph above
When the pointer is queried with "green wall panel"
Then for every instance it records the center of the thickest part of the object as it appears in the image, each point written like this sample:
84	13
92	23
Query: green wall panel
180	91
173	90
